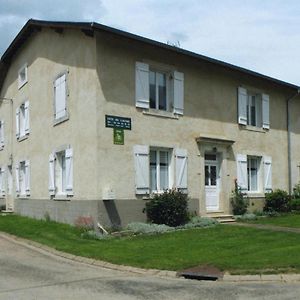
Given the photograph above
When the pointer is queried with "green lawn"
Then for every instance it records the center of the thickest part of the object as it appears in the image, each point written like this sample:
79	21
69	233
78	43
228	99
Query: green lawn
287	220
232	248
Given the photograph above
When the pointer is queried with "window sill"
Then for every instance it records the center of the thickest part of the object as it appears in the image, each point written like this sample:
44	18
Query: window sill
23	197
160	114
21	84
61	198
255	195
61	120
22	138
253	128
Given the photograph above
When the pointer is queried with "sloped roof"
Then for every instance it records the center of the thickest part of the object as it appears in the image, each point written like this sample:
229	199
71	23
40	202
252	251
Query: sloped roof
89	27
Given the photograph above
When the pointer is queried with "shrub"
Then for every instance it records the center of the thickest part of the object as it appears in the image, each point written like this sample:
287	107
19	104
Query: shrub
169	208
246	217
145	228
278	201
197	222
295	204
238	202
94	235
296	191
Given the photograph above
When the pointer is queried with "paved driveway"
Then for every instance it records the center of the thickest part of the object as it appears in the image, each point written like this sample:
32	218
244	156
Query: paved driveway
29	274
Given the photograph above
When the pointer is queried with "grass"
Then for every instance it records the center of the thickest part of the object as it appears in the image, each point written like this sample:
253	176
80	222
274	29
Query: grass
235	249
286	220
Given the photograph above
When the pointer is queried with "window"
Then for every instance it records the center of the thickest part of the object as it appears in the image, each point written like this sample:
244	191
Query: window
159	170
9	180
61	173
159	90
253	164
60	99
23	178
2	182
22	76
254	173
1	135
22	120
253	109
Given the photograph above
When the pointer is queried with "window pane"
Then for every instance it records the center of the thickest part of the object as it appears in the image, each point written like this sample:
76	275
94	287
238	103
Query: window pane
152	88
253	174
162	91
153	177
206	175
253	111
164	170
63	169
213	175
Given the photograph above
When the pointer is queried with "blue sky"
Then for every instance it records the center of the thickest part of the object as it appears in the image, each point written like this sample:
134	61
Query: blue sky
263	35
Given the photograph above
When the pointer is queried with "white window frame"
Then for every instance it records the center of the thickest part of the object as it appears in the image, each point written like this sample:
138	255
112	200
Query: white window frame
259	174
22	174
66	115
168	88
23	128
22	82
170	165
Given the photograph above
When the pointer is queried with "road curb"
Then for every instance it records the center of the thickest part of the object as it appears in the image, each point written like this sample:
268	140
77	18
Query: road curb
287	278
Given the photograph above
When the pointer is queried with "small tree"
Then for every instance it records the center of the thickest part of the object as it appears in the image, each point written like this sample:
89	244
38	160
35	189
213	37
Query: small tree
169	208
278	201
238	202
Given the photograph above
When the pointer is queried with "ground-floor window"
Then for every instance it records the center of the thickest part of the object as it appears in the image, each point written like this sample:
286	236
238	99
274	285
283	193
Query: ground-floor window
253	165
60	173
159	170
23	178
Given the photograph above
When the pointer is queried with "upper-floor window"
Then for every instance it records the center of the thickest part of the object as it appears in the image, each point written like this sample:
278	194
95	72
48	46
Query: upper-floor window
22	120
23	178
60	98
22	76
1	135
253	108
159	169
61	173
159	90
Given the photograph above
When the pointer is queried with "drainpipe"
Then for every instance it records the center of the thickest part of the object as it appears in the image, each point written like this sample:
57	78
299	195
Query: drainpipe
288	101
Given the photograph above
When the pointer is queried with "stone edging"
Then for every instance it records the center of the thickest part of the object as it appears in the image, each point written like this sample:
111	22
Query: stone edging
152	272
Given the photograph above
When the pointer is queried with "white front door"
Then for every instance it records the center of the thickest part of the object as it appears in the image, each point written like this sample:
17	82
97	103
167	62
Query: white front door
212	183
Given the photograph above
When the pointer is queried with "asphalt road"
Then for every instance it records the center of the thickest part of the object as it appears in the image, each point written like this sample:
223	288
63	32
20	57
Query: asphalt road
26	273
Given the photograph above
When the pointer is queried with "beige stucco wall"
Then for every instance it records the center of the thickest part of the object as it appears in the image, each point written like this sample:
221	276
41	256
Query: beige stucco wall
101	80
47	54
210	109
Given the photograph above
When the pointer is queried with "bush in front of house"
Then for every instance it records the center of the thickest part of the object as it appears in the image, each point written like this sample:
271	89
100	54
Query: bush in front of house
295	204
239	203
200	222
146	228
169	208
277	201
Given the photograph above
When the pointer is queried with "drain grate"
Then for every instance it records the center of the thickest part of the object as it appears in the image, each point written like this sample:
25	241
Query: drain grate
201	273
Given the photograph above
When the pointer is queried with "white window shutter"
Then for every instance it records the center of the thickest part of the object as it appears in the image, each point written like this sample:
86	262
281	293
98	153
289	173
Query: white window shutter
26	107
17	180
267	174
69	172
178	92
51	175
181	170
242	106
27	178
142	169
2	176
142	85
2	134
266	111
242	176
18	122
60	95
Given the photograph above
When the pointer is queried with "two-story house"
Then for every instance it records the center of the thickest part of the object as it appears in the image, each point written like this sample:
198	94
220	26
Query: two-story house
95	120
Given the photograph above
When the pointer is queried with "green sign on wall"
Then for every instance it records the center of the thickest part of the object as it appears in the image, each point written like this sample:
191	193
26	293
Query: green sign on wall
118	136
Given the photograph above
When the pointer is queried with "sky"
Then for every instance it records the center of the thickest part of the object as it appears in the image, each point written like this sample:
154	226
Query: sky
260	35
